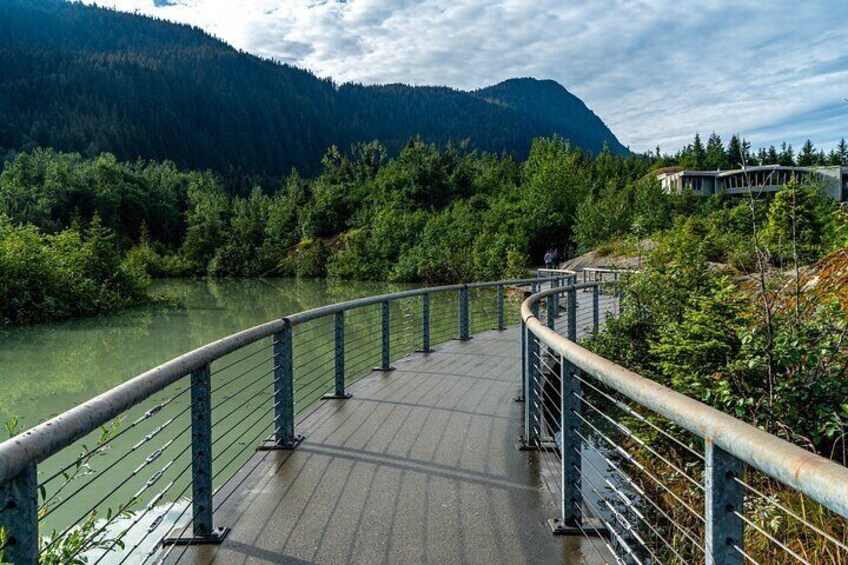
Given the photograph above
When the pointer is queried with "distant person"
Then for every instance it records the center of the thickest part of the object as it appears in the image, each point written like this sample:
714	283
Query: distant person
557	257
549	259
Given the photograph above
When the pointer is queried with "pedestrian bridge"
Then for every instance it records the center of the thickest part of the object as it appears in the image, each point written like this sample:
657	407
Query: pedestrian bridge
459	424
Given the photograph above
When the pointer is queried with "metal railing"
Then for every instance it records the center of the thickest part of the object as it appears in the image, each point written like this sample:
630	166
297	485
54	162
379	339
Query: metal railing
602	274
569	276
150	461
650	475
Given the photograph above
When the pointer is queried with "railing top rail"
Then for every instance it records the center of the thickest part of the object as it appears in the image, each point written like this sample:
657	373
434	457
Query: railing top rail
559	271
48	438
821	479
608	270
307	315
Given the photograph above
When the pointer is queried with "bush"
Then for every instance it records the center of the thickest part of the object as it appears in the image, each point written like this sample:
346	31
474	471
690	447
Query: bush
66	275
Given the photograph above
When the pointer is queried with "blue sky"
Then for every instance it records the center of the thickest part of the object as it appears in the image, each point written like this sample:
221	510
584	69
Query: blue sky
655	71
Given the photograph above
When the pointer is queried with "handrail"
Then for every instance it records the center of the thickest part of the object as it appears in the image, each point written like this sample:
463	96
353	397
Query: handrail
567	272
821	479
607	270
48	438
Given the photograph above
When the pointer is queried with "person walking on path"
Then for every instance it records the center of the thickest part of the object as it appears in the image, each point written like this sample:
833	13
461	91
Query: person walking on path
549	260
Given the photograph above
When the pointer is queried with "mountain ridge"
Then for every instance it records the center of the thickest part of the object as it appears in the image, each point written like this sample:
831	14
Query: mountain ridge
87	79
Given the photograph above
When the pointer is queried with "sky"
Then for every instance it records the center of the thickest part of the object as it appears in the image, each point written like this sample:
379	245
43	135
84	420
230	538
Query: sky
656	71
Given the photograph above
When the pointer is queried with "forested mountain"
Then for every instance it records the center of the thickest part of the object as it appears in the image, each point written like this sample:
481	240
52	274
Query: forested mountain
549	105
87	79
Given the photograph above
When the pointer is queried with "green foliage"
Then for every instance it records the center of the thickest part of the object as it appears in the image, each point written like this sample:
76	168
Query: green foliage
435	214
70	274
749	354
799	223
640	208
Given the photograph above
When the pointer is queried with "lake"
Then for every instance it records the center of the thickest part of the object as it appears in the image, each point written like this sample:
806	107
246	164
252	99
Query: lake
49	368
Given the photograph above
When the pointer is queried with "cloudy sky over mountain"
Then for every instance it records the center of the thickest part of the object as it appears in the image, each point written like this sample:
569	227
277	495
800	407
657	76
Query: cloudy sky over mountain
655	70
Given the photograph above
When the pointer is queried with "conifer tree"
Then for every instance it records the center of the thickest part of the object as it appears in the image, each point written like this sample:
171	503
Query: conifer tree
807	156
787	155
734	151
715	157
772	158
698	156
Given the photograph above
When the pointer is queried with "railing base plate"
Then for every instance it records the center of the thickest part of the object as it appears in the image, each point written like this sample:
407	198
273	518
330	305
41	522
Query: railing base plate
272	445
469	338
383	370
524	445
518	399
431	350
179	537
345	396
559	528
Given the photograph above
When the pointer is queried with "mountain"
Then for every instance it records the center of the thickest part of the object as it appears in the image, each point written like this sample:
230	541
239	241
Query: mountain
87	79
549	105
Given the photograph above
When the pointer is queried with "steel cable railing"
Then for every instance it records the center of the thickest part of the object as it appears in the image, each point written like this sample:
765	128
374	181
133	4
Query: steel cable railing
151	461
650	476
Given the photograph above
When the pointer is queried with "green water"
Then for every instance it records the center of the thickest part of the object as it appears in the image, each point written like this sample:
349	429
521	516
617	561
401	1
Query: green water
47	369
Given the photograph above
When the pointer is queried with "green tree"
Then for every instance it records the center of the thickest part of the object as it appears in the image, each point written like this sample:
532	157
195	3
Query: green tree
207	219
807	157
715	157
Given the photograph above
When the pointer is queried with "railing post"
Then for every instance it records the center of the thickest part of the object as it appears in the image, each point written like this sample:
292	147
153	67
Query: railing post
339	346
551	314
284	436
723	499
202	531
385	355
572	314
596	314
464	322
425	324
523	330
523	357
19	517
570	515
620	294
501	323
201	452
201	465
532	404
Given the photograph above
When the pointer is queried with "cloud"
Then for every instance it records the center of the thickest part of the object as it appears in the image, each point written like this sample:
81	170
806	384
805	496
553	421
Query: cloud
655	71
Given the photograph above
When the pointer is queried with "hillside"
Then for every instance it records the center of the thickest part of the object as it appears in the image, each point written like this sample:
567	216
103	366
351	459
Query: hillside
86	79
548	104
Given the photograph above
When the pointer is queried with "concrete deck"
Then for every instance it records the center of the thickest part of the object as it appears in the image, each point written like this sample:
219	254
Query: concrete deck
420	466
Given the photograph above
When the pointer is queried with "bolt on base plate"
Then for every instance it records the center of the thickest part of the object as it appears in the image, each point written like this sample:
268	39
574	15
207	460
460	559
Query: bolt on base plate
272	445
590	528
524	445
178	537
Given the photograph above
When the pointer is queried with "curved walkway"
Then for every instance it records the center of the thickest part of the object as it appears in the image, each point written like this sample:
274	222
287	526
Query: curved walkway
420	466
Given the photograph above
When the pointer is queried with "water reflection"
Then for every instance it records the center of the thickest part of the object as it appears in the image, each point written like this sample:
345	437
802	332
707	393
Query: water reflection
47	369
